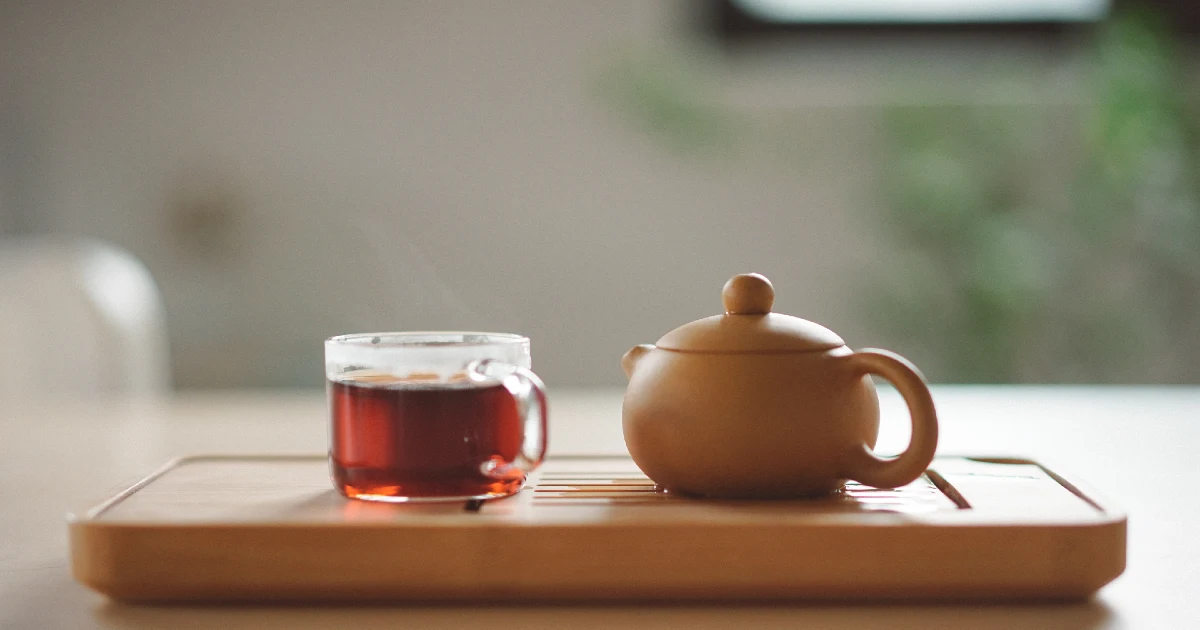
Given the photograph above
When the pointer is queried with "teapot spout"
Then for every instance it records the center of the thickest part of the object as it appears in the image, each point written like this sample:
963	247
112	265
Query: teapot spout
631	358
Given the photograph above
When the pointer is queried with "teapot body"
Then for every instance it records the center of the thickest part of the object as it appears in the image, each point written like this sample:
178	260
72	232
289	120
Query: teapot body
748	425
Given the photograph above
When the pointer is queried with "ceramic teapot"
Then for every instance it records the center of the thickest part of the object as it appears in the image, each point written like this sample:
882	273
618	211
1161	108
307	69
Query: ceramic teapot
755	404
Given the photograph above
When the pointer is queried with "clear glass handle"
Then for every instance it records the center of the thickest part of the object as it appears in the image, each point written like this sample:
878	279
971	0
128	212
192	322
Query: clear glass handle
530	395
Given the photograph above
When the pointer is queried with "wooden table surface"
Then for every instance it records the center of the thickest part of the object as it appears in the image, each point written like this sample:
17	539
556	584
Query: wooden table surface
1136	445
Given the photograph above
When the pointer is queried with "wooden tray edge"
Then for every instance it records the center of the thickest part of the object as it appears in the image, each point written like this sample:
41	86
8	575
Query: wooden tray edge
95	546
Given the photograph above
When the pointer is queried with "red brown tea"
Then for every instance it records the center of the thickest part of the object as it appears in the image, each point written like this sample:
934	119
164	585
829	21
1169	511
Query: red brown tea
397	437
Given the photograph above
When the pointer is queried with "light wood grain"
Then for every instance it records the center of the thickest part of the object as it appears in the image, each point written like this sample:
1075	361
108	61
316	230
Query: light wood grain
1136	444
592	528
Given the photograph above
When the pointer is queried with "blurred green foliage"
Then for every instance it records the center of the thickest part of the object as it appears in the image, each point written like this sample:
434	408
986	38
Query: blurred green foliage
665	97
968	270
1046	242
1000	281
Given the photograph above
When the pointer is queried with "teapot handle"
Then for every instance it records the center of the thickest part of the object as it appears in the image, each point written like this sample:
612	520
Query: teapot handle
866	467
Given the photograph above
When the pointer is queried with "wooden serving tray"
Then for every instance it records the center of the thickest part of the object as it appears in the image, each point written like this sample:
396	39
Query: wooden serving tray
257	528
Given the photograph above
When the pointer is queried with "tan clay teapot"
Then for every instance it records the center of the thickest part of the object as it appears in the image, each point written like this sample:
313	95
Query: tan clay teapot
755	404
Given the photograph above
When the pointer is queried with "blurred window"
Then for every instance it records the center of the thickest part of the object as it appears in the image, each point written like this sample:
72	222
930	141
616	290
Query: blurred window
924	11
747	19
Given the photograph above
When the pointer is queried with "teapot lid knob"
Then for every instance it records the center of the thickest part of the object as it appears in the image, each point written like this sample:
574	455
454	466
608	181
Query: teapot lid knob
748	294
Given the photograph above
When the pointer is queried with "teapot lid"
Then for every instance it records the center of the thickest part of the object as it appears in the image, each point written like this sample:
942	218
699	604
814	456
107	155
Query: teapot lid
749	326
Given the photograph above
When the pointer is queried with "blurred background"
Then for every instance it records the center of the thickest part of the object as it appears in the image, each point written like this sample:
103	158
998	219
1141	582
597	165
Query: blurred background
1003	191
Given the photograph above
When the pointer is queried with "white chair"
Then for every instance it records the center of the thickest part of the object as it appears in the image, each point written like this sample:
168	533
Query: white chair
78	318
